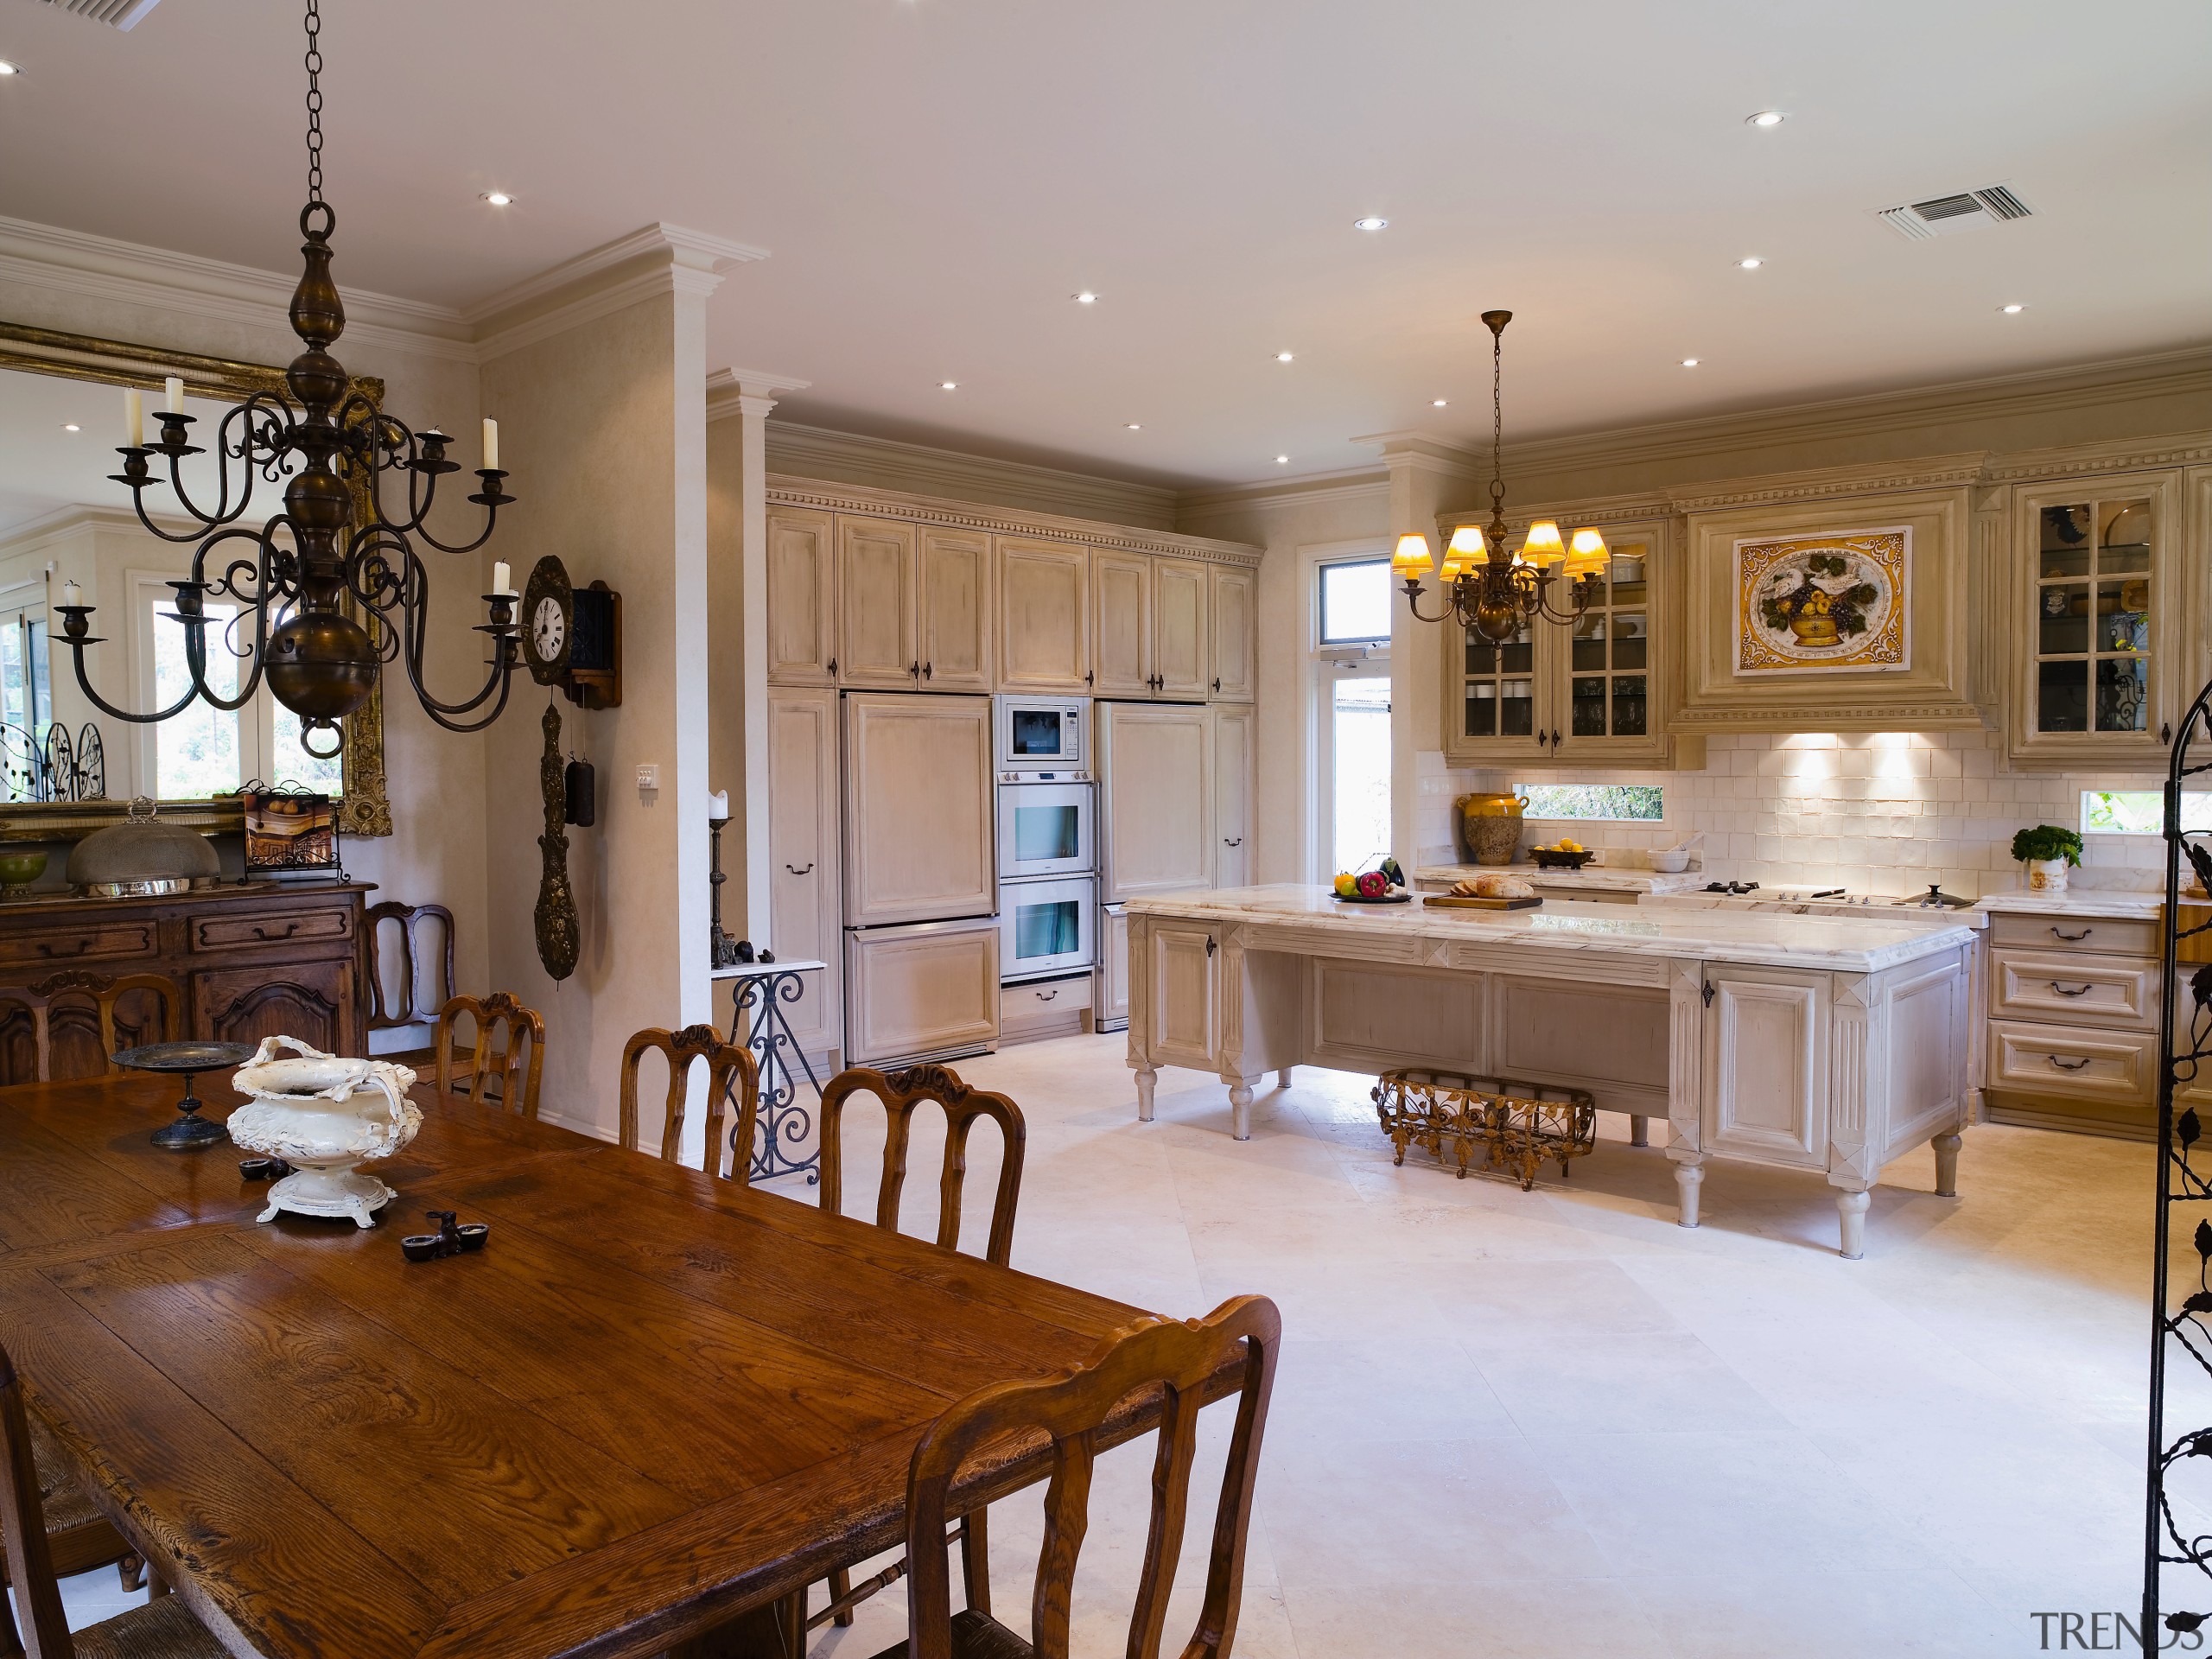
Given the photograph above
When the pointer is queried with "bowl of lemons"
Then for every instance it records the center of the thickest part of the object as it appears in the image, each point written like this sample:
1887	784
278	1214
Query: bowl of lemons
1563	854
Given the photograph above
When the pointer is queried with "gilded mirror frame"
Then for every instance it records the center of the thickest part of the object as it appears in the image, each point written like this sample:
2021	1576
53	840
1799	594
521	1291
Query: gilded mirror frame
365	806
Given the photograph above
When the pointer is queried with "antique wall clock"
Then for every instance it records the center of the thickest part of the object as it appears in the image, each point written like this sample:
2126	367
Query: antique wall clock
548	619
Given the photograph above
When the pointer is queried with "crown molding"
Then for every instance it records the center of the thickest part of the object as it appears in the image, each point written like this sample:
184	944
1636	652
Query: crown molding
652	260
1350	484
2113	455
728	391
824	495
1822	483
1425	452
948	474
159	279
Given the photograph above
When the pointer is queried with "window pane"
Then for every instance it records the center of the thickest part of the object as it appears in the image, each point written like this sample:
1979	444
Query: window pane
1360	738
2140	811
1642	803
1355	602
196	752
294	764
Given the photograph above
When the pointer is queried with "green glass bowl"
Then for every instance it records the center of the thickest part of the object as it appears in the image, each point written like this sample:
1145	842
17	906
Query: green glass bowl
21	869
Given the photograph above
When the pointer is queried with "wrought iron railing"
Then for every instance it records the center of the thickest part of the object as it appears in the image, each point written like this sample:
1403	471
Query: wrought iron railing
53	768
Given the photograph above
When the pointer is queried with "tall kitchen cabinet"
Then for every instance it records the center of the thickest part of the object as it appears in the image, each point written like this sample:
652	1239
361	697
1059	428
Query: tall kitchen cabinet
1155	765
804	897
1234	729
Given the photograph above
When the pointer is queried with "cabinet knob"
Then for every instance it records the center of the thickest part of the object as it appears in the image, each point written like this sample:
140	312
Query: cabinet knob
1210	946
833	665
1087	676
2166	731
1239	841
915	670
928	670
1217	684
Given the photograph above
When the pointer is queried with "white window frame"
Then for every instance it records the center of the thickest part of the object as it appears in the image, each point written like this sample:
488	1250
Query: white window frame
1325	665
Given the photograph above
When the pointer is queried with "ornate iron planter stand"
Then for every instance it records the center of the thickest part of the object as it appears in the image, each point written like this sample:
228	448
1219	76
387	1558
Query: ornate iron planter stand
764	989
1517	1125
2184	1190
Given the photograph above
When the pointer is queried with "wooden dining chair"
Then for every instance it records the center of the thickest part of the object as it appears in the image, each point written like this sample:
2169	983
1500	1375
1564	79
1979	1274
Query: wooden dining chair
97	1015
1178	1359
508	1051
78	1538
162	1629
729	1068
402	923
902	1093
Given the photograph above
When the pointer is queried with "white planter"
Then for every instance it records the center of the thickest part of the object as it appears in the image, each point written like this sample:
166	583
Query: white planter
2046	875
325	1116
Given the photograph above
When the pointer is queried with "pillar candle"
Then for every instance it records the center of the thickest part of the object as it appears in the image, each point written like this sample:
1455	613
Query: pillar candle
718	805
173	390
490	445
499	576
134	417
70	593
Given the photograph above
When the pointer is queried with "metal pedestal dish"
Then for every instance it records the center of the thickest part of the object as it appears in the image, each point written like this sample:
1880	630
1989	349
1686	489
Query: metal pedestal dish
186	1060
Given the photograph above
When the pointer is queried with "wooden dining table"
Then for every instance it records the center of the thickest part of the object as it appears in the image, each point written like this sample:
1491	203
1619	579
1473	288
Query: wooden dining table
653	1408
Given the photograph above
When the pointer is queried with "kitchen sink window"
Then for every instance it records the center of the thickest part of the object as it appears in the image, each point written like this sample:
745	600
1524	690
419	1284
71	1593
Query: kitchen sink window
2140	811
1622	802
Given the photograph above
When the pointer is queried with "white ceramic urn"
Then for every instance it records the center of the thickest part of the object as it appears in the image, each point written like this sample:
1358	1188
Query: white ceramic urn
325	1116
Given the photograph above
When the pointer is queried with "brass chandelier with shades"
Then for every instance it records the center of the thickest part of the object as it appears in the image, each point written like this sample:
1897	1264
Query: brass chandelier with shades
1488	590
338	549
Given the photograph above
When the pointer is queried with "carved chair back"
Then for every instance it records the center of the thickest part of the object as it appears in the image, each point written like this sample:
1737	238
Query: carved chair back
727	1064
901	1092
1177	1358
509	1051
121	1012
44	1626
404	921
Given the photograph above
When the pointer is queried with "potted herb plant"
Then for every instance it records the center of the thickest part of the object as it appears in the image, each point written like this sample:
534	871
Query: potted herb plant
2047	849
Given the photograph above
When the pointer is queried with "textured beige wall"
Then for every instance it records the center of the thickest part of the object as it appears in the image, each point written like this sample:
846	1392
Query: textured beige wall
603	426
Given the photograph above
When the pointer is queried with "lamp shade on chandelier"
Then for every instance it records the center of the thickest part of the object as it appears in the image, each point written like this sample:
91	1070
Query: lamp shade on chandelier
1488	590
302	578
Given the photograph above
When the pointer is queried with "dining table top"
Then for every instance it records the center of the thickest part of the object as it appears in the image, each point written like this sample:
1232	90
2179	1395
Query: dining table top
653	1401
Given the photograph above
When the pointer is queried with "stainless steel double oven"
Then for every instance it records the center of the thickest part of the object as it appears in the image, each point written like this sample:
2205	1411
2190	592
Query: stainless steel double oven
1047	838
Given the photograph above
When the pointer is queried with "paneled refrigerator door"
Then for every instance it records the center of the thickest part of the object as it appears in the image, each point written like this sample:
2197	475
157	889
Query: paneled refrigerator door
918	819
1155	772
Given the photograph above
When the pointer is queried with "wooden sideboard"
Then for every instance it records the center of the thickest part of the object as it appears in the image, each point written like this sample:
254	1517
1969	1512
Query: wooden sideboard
252	962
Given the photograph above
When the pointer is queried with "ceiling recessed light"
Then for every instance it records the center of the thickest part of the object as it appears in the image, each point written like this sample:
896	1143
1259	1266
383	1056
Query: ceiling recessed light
1766	118
1689	362
498	199
1753	264
1086	298
2011	310
1438	404
946	385
1133	427
1372	222
71	426
1282	357
7	68
1282	461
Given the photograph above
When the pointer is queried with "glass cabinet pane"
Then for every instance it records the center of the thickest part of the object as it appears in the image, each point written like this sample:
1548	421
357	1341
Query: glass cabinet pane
1501	691
1611	649
2092	617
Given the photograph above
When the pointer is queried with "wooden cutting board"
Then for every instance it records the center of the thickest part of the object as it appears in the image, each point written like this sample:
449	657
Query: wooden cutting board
1454	901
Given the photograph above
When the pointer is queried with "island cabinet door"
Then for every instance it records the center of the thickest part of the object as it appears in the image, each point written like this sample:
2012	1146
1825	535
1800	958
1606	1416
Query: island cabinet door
1766	1065
1184	993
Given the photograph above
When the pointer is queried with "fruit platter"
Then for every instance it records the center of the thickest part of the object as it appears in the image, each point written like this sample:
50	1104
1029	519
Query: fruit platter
1384	885
1563	855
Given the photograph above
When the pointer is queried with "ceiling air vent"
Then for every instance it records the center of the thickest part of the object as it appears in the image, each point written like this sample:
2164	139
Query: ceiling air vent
1969	210
123	14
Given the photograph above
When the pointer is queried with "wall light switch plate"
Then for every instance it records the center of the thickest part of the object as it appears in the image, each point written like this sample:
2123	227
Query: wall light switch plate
649	776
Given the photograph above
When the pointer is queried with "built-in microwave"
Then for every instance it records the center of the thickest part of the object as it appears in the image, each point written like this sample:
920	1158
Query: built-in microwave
1046	829
1047	927
1040	734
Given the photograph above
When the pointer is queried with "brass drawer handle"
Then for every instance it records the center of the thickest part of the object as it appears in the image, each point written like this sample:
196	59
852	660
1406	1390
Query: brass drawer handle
2068	1066
2080	990
266	937
2071	939
46	949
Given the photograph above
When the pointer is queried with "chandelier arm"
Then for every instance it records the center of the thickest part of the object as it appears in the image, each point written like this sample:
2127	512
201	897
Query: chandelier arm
415	608
92	693
1413	604
491	519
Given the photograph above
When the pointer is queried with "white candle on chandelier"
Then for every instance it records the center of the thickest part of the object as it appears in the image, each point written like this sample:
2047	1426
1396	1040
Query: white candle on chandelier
499	576
490	445
134	417
173	395
71	593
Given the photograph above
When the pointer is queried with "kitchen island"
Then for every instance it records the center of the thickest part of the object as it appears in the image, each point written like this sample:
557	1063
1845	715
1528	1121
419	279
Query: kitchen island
1824	1043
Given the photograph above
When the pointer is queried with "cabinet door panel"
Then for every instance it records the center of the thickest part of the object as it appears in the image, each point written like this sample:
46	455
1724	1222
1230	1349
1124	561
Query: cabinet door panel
914	991
918	805
1766	1065
1230	606
1113	1000
1156	772
803	849
1044	617
1178	627
955	600
1186	1001
802	597
311	1001
1120	602
875	603
1232	797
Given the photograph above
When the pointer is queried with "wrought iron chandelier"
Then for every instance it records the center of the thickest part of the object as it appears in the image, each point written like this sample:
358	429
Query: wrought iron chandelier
1490	591
316	561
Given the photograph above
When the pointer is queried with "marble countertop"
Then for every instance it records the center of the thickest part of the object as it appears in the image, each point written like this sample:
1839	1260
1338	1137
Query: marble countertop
1764	938
2113	903
1595	877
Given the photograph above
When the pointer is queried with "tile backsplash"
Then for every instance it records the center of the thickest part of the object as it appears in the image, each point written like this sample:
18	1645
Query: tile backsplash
1885	812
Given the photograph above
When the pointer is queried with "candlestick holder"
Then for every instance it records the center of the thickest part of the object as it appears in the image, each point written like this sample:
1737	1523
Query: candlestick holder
722	948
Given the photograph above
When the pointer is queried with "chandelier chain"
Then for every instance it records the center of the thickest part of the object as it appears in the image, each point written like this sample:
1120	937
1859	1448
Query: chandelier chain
1496	422
314	100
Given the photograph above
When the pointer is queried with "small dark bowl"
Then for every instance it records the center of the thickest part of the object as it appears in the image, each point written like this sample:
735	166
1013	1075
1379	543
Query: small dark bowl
263	1169
472	1233
1550	858
422	1247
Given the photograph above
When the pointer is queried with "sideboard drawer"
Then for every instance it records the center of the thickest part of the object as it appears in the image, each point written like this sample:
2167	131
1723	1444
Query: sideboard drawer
2093	990
2093	933
81	942
2111	1065
248	929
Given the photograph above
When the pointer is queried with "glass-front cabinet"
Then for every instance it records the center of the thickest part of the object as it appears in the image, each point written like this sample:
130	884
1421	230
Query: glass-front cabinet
2096	615
1573	693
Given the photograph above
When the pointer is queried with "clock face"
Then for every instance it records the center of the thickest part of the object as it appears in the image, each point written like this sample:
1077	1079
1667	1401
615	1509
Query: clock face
549	629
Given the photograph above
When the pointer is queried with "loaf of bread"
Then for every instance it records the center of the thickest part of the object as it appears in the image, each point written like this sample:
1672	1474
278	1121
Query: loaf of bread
1489	885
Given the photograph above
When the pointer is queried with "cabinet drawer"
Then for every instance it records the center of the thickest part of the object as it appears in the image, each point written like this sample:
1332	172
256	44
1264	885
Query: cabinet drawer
1047	1003
77	943
2110	1065
2089	934
248	929
2091	989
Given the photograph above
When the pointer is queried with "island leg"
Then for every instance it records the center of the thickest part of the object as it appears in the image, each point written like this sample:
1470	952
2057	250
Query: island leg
1283	1078
1240	1109
1947	1165
1639	1130
1146	1077
1689	1176
1851	1206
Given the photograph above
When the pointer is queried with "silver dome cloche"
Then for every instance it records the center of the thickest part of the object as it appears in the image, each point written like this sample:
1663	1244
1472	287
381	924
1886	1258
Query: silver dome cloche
141	857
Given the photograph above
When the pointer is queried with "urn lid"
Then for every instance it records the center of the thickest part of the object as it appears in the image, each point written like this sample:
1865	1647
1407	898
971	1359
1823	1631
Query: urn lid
141	855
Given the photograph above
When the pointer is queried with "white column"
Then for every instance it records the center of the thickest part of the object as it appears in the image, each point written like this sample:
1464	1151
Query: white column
756	397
